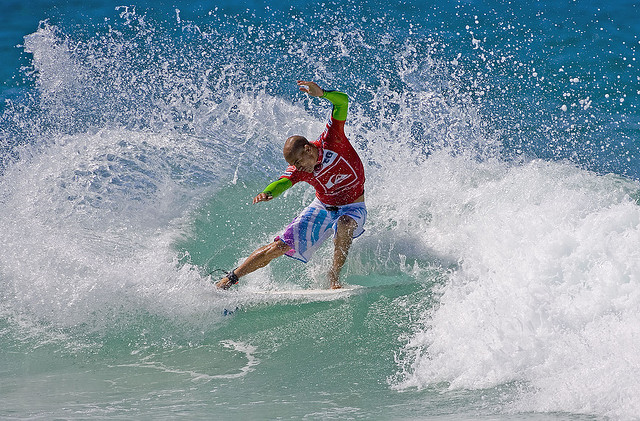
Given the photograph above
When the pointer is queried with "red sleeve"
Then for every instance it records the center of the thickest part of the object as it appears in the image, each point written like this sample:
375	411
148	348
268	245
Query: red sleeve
291	174
334	131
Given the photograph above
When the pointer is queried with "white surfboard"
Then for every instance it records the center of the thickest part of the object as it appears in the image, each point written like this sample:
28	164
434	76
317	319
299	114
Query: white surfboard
312	293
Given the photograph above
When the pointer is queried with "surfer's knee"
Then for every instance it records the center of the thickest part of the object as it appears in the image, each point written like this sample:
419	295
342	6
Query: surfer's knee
276	249
344	235
282	246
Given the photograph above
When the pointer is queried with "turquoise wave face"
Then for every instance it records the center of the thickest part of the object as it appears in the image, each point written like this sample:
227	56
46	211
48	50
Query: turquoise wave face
499	264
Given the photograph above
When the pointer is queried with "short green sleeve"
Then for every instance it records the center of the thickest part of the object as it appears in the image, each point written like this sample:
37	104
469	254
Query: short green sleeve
278	187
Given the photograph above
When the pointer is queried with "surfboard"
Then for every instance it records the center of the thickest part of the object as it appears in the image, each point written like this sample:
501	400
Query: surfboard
308	295
312	293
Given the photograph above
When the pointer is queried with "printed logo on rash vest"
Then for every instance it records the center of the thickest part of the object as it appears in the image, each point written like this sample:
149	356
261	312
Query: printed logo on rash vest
328	158
336	179
336	173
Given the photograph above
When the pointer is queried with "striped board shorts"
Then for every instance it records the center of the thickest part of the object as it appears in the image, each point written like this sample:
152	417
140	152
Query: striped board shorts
315	224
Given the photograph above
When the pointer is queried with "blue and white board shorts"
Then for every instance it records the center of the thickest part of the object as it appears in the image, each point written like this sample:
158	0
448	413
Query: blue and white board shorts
315	224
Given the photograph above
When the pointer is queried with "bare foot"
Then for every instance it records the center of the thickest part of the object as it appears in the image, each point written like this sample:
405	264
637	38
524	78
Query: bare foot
336	286
224	283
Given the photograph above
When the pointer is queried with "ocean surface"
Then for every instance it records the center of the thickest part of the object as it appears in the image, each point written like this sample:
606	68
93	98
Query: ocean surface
499	272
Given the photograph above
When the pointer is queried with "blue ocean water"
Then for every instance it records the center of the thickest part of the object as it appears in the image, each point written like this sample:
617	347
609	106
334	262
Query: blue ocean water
500	267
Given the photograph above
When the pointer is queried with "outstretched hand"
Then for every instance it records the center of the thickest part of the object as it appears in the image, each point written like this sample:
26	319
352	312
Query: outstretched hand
262	197
311	88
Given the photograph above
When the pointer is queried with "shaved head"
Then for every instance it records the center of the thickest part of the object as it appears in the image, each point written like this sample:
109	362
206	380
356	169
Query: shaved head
293	146
301	153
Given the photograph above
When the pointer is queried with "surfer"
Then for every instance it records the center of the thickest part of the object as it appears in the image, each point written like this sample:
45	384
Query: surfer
332	166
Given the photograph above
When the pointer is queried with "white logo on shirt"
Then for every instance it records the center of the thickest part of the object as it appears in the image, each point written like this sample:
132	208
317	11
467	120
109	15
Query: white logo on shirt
335	179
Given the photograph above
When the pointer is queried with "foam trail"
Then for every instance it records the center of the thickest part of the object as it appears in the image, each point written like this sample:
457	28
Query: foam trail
239	347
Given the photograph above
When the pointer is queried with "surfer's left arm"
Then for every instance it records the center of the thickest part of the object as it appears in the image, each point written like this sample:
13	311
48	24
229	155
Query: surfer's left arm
339	100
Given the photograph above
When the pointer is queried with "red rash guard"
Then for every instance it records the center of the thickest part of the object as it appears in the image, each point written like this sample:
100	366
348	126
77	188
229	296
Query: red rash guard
338	176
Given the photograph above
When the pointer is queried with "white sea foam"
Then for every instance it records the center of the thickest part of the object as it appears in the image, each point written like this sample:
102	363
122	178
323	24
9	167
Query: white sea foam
249	351
547	292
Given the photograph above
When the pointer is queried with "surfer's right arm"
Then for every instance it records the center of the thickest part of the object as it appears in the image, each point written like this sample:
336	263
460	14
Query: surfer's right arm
274	189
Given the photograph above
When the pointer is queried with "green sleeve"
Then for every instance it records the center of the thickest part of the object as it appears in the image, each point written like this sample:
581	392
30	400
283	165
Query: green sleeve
278	187
340	103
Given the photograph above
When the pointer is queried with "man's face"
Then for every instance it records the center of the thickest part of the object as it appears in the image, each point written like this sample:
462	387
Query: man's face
305	160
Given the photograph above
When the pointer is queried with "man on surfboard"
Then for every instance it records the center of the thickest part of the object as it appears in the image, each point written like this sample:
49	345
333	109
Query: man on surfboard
332	166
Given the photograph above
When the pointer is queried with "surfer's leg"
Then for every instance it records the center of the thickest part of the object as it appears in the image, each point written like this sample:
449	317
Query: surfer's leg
258	259
342	242
261	257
